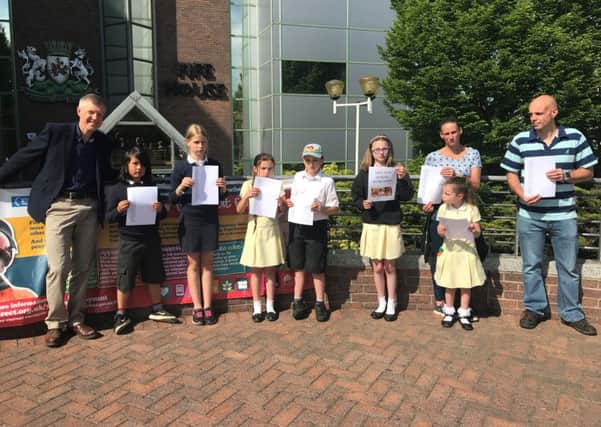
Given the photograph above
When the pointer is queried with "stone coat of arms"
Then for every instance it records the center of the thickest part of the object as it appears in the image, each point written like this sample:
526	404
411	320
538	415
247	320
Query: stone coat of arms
64	75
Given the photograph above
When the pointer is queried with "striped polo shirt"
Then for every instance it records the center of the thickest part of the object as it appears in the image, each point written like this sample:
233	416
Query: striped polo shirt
570	150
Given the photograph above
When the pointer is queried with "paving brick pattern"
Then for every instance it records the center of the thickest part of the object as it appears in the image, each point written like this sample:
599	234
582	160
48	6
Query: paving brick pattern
350	371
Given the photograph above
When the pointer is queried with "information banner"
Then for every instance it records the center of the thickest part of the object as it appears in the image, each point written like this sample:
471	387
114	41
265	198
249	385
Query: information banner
23	263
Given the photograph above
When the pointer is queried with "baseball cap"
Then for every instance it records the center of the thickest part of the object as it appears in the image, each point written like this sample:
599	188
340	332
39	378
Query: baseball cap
313	150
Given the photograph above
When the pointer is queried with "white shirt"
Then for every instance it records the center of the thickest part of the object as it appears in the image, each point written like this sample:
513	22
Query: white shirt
320	186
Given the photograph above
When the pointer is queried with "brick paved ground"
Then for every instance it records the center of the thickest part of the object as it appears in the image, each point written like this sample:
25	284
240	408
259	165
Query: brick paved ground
350	371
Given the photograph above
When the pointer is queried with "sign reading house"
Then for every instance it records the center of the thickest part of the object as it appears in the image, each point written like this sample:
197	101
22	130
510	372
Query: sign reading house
196	80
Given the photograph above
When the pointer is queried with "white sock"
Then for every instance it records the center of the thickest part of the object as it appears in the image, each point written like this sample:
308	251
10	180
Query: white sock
464	312
449	311
381	305
256	307
391	306
270	307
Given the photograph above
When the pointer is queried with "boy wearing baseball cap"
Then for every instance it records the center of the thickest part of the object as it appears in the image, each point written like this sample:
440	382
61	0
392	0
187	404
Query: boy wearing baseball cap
313	192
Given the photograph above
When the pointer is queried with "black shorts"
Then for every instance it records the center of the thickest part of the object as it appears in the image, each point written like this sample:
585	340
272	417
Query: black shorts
308	247
145	257
198	238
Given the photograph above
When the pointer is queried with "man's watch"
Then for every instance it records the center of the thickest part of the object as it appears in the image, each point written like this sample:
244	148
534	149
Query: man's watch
567	176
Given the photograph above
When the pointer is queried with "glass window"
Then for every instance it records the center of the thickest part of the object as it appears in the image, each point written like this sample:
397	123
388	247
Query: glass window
266	115
236	19
371	14
142	42
236	46
314	12
117	77
264	46
4	38
304	111
4	9
379	119
115	41
6	75
265	80
115	11
143	77
7	111
128	48
310	77
364	45
317	44
141	12
264	13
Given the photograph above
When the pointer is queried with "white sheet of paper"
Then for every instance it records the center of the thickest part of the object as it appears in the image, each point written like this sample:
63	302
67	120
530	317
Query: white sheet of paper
457	229
140	210
430	185
266	202
301	212
381	184
535	178
205	190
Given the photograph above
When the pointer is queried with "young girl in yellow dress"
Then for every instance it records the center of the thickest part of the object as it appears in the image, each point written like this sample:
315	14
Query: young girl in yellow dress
263	248
457	264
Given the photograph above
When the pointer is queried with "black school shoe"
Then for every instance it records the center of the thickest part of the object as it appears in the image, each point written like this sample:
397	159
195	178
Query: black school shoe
530	319
581	326
272	316
299	310
258	317
321	312
466	324
447	321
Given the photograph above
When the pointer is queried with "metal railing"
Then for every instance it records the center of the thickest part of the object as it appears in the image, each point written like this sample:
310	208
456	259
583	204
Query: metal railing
497	208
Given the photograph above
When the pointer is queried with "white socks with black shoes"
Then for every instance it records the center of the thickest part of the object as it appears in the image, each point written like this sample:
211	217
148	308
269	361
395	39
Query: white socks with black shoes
449	316
391	307
381	305
464	316
257	307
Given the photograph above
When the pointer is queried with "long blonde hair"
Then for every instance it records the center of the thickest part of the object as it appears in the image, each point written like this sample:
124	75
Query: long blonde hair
368	157
195	129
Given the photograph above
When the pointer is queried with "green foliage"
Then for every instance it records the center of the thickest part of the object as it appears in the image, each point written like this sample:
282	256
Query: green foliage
484	60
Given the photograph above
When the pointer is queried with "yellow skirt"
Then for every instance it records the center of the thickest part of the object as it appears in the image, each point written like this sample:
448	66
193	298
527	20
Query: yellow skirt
381	241
458	266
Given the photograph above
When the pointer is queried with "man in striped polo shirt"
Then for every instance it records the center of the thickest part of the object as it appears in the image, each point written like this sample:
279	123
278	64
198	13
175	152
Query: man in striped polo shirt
537	216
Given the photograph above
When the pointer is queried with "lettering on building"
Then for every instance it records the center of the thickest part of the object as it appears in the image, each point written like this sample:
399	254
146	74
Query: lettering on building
196	80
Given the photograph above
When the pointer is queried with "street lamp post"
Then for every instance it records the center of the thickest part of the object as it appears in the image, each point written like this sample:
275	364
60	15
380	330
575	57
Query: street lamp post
369	87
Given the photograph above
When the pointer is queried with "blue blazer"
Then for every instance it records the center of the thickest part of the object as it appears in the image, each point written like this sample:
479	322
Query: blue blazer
52	147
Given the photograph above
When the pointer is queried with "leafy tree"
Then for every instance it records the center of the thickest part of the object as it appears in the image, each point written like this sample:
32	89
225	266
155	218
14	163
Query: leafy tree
484	60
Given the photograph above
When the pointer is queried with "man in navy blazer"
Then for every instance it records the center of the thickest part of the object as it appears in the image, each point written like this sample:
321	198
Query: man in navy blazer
68	196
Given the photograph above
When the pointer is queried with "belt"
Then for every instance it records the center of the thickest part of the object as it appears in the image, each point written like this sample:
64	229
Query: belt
74	195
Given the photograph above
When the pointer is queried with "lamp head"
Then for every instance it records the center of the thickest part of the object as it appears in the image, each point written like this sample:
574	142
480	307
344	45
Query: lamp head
335	88
369	86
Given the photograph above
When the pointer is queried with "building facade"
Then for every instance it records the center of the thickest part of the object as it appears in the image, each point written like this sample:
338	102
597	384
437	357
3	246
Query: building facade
251	71
283	52
174	53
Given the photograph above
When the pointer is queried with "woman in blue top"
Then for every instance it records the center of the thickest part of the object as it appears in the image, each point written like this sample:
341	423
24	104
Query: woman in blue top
456	160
